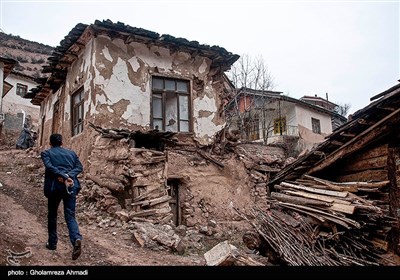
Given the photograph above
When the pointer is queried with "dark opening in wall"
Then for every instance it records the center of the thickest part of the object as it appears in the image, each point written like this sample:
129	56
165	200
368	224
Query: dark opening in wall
174	193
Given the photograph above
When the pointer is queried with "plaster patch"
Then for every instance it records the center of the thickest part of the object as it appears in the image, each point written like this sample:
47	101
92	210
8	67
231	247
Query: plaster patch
106	54
134	63
203	67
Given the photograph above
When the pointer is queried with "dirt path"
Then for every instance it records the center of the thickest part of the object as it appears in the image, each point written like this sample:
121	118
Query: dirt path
23	210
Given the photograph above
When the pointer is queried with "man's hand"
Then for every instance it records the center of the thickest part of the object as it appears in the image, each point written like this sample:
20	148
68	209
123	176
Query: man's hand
69	182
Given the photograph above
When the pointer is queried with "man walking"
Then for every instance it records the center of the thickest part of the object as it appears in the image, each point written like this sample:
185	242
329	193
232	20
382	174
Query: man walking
61	183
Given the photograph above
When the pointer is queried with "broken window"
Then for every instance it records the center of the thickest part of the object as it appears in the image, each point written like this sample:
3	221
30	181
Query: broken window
22	89
280	125
77	112
170	104
316	125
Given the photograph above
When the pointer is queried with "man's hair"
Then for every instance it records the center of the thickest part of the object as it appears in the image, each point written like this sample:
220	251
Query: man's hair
56	140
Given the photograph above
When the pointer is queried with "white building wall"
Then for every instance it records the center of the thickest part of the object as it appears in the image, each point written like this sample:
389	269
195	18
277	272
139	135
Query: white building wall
13	103
305	114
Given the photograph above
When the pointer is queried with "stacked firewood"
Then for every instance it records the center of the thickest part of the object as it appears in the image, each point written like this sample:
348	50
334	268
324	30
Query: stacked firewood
318	222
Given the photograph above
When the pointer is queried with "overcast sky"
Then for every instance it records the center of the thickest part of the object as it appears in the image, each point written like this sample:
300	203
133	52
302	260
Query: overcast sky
348	49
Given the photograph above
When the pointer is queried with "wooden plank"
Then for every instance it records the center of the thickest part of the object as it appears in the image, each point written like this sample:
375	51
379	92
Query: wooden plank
374	132
321	218
314	190
378	151
366	164
325	198
381	244
348	209
298	200
333	185
326	215
142	213
210	158
364	176
152	202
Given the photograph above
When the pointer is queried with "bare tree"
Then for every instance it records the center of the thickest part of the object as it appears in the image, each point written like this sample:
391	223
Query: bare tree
342	108
250	73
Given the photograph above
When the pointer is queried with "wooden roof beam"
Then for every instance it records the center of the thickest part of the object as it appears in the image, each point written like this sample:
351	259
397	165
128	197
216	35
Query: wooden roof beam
358	142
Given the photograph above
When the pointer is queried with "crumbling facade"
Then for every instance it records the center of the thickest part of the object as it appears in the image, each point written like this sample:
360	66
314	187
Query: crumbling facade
157	102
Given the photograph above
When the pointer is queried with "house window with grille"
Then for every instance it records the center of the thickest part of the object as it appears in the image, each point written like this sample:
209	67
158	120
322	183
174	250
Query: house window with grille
170	105
77	112
316	125
22	89
280	125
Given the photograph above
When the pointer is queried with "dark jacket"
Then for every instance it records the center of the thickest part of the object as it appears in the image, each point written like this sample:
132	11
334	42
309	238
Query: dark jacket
60	162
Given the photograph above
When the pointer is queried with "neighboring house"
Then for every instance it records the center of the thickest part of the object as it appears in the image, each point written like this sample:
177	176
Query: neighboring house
16	108
365	149
273	118
6	66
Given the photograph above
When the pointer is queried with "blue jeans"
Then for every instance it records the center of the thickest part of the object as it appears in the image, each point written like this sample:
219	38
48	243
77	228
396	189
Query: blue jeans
69	202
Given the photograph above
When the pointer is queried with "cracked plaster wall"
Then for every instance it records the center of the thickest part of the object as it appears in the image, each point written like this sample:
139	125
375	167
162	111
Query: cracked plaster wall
116	79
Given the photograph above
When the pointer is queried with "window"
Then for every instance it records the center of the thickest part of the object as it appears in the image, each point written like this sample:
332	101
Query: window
252	128
56	117
77	112
22	89
280	125
316	125
170	105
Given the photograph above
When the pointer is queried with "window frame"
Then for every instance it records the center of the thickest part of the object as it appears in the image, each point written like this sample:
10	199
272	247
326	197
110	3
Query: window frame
75	107
315	122
162	93
280	125
21	89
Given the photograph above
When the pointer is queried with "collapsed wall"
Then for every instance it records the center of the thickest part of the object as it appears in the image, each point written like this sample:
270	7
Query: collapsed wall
166	178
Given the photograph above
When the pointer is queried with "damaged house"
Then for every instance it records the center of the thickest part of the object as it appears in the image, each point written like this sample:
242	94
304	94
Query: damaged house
136	106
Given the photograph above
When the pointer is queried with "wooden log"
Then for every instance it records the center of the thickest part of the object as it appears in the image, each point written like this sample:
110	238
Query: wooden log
326	215
364	176
210	158
147	194
141	150
149	161
314	190
298	200
375	152
287	219
325	198
348	209
143	213
366	164
112	186
333	185
152	202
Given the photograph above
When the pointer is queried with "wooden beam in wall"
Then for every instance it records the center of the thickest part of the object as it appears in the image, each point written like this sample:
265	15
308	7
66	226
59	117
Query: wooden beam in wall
358	142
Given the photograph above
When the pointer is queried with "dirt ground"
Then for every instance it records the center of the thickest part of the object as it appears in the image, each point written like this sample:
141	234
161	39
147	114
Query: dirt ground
23	226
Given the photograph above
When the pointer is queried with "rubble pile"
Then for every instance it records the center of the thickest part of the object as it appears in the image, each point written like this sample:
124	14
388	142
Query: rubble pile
318	222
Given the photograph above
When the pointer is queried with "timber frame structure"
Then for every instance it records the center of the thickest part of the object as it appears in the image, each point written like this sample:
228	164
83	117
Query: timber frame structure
366	149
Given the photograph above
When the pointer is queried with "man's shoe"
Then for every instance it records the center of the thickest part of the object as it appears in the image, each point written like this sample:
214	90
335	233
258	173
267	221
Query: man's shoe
77	249
51	247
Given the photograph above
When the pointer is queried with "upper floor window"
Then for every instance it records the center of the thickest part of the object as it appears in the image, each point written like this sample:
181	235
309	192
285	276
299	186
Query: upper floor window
22	89
77	112
170	105
280	125
316	125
